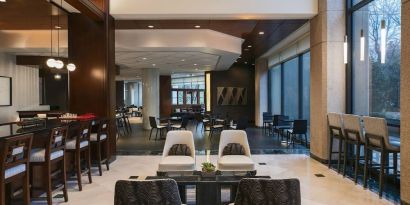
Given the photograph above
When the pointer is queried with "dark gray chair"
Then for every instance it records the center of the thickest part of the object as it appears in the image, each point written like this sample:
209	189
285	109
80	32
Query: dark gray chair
268	191
164	191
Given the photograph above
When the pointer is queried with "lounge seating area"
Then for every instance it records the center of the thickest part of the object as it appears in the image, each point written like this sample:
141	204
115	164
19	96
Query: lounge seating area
156	102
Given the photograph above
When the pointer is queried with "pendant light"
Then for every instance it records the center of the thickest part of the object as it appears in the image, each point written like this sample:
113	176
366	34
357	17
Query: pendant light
345	50
51	61
71	67
383	41
362	44
59	63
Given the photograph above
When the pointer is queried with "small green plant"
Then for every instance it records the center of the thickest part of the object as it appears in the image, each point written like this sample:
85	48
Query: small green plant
208	167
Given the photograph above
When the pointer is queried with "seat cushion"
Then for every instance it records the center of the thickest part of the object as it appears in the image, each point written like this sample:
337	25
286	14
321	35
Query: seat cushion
38	155
218	126
14	170
71	144
233	149
179	150
177	163
236	163
93	137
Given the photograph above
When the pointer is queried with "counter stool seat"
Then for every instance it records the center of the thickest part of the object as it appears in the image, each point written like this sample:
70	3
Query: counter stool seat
39	155
14	170
71	144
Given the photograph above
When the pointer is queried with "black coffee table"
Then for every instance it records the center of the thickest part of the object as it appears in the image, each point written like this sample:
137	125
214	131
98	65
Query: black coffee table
208	188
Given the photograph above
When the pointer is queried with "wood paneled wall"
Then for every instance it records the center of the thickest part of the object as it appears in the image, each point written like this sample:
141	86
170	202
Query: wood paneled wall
165	95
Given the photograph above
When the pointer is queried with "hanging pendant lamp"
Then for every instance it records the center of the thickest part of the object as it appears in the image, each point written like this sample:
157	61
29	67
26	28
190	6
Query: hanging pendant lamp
51	61
59	63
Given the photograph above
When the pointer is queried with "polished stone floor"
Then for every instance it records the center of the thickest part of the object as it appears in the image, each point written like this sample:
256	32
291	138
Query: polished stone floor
137	142
330	189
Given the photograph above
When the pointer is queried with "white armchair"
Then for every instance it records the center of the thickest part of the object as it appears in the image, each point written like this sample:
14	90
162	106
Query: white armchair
175	162
235	162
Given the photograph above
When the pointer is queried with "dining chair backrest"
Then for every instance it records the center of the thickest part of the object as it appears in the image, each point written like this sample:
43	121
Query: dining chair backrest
179	137
300	126
267	116
335	124
14	151
376	131
152	122
268	191
84	132
57	140
242	124
234	136
352	127
276	119
103	127
281	118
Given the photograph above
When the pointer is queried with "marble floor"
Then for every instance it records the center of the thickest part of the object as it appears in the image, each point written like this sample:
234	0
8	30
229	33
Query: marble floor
330	189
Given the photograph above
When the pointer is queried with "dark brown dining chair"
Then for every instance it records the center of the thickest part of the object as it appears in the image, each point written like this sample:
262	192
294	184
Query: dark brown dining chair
299	128
154	125
14	165
80	146
99	142
53	155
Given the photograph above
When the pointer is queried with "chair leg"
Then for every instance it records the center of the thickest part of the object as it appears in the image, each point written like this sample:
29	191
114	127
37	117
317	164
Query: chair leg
330	152
156	134
65	179
26	190
77	165
356	165
150	134
366	164
2	193
47	177
381	174
107	149
88	161
395	165
344	157
339	157
99	158
306	141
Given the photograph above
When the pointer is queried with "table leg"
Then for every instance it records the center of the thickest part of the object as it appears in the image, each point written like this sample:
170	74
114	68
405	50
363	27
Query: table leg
207	194
182	193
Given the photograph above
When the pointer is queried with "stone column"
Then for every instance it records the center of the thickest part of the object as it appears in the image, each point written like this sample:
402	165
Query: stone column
327	74
150	95
404	103
261	90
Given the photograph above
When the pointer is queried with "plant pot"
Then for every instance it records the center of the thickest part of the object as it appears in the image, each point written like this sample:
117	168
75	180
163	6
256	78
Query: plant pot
208	174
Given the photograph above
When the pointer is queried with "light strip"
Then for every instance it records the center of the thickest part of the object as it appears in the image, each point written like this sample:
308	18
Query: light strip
208	91
383	40
362	44
345	50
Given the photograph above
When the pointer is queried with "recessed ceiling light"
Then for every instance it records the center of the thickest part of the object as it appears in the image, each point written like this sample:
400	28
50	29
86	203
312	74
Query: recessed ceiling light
153	65
246	62
144	58
2	0
250	46
196	68
197	26
150	26
195	64
261	32
183	60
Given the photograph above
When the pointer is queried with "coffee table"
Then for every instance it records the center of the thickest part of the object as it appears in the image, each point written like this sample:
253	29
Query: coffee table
208	188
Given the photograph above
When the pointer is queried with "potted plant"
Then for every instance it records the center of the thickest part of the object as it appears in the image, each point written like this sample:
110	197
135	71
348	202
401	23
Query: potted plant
208	169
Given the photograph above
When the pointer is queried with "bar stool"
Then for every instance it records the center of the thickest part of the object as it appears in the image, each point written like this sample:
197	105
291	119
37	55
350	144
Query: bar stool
14	164
78	146
354	136
46	158
99	139
377	139
336	132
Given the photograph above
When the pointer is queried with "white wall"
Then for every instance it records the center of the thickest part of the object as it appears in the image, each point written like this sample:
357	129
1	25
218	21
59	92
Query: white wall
25	86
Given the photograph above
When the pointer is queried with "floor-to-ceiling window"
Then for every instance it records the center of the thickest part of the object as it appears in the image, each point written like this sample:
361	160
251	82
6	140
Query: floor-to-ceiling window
376	39
289	89
188	89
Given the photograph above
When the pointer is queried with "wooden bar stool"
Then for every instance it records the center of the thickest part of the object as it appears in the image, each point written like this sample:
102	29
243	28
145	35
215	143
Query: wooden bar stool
52	154
336	132
80	146
377	139
99	140
14	164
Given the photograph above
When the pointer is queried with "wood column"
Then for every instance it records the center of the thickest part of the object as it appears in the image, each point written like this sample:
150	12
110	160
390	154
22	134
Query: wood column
405	104
327	74
92	85
165	98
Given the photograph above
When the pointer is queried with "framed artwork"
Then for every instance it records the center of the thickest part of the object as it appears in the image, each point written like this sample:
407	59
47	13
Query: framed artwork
5	91
232	96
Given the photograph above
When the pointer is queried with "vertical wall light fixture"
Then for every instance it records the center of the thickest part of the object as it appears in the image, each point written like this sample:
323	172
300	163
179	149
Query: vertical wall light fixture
208	91
345	50
362	44
383	41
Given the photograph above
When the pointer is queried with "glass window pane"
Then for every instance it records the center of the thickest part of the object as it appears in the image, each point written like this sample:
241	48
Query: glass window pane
180	97
188	98
174	97
291	88
306	86
275	84
376	84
